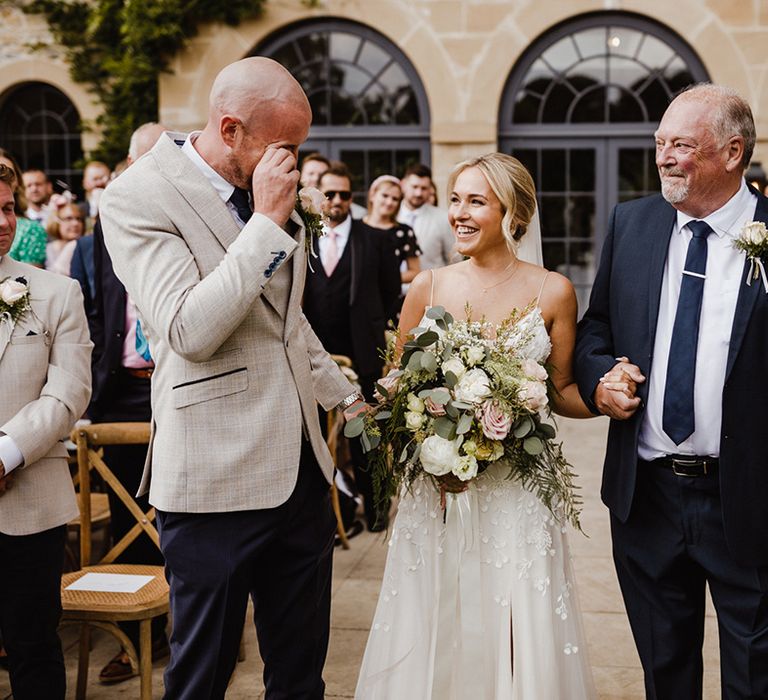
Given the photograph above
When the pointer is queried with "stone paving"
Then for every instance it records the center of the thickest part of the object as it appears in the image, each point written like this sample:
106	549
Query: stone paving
357	573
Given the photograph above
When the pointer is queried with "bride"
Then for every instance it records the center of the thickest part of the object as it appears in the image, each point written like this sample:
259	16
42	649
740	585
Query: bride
477	600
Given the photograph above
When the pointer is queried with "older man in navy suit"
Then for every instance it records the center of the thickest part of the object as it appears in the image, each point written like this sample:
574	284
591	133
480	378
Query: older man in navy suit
686	472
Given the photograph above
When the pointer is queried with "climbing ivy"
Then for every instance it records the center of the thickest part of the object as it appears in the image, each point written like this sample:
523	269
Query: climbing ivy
118	48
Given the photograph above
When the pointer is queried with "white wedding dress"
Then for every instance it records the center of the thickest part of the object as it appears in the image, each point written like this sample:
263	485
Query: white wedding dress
478	602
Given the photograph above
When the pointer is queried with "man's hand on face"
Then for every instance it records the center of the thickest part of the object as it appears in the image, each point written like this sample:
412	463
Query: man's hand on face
274	184
615	394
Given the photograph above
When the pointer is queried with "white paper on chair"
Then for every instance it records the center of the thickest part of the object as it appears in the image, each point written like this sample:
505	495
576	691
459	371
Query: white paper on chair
110	583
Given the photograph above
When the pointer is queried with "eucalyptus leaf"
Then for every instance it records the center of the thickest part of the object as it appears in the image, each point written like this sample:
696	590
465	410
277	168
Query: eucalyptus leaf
403	455
429	362
451	410
465	423
435	312
441	396
461	405
427	339
365	441
414	362
546	431
533	446
383	415
445	428
451	380
382	390
354	427
523	427
375	441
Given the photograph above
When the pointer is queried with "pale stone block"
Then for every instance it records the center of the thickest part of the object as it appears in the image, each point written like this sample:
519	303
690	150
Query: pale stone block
487	16
446	17
464	51
754	46
734	12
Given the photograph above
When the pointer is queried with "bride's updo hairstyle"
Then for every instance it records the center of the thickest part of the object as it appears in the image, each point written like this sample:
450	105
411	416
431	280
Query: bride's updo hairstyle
512	184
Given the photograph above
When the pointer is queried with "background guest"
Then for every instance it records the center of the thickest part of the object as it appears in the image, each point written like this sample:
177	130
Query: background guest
312	167
38	190
30	240
65	226
95	178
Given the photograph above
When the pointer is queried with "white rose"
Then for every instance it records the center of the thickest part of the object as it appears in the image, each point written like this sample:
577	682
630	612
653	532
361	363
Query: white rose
534	370
455	366
754	232
534	394
311	200
11	291
475	354
473	387
439	456
415	404
466	468
414	421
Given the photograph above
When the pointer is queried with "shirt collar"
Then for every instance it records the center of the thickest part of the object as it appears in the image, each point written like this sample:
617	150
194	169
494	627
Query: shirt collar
343	229
224	188
724	221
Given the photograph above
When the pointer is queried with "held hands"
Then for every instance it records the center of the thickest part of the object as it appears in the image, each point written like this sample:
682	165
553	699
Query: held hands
615	394
274	184
356	409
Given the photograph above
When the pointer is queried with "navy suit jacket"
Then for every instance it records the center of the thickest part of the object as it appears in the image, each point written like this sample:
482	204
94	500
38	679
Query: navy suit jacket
106	320
621	320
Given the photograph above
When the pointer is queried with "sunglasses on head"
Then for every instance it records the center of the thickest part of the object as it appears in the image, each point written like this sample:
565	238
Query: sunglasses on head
344	195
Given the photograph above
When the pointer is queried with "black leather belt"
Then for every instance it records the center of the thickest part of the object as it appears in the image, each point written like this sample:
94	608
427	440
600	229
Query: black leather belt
688	465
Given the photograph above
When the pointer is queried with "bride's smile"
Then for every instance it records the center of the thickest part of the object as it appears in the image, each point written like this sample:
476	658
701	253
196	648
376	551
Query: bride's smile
475	213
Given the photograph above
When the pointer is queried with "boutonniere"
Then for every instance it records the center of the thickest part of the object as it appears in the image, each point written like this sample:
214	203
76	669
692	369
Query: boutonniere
14	299
309	205
753	240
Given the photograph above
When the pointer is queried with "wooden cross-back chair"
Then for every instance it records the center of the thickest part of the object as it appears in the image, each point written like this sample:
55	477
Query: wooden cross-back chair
105	609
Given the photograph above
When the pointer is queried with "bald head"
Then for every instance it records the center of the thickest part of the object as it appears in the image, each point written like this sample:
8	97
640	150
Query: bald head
143	139
253	88
254	103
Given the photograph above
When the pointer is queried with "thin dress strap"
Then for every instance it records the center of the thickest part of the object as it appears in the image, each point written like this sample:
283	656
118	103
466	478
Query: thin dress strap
432	288
541	289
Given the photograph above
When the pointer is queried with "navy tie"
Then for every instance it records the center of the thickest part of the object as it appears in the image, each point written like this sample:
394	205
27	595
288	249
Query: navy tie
242	204
678	419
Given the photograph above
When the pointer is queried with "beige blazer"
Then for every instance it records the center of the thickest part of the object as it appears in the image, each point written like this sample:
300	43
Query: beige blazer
434	235
239	372
45	375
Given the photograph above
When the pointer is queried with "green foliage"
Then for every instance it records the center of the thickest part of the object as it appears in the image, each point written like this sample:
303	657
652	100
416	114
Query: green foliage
118	48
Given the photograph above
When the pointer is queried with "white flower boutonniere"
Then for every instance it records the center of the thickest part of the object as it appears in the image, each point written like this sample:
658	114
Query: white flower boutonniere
309	205
753	240
14	299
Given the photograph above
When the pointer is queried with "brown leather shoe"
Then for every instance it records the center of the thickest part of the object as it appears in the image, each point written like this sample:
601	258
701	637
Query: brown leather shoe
117	670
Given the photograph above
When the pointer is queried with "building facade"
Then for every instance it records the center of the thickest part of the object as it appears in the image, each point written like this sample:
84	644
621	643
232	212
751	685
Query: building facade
574	88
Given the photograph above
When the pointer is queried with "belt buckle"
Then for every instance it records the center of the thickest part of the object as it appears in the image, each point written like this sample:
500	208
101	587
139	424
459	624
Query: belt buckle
678	467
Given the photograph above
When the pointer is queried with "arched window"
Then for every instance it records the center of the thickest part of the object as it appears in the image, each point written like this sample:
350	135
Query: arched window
41	127
369	107
579	110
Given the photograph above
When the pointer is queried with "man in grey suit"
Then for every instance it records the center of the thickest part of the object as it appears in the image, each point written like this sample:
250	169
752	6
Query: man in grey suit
45	375
238	470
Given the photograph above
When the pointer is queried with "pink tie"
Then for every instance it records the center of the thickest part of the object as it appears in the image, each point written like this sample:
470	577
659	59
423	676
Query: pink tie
331	253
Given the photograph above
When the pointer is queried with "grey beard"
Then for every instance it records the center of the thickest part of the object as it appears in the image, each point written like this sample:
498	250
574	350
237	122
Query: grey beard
674	193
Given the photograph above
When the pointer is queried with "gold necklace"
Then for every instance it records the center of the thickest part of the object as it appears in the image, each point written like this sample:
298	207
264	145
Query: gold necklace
507	278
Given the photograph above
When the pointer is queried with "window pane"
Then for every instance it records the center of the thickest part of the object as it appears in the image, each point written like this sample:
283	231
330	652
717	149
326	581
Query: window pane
560	56
590	107
581	170
553	210
581	217
553	170
623	41
591	42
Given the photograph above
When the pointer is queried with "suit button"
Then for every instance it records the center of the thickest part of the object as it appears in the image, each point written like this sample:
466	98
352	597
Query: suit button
272	265
282	255
267	273
118	334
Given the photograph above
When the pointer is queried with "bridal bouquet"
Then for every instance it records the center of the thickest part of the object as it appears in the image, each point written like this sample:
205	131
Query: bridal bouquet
464	397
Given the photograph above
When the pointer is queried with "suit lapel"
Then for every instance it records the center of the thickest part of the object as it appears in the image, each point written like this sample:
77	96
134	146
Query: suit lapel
748	295
356	260
184	175
660	227
297	230
6	329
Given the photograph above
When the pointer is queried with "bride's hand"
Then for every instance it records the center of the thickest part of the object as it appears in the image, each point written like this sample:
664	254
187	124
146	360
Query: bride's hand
452	484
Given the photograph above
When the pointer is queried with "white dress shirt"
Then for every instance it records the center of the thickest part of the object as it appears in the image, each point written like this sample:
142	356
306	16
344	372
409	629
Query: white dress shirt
224	188
10	455
725	265
342	236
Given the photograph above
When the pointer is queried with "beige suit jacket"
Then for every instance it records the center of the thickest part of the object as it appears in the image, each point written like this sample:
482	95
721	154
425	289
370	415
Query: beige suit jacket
45	375
239	372
434	235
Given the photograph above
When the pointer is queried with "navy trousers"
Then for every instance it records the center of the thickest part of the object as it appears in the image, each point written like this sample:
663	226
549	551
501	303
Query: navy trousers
671	548
282	558
30	609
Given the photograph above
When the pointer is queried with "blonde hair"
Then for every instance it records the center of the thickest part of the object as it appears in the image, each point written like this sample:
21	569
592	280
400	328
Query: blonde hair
512	184
376	185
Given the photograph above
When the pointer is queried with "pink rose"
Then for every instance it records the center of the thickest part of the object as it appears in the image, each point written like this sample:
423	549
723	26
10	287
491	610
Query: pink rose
534	395
494	422
390	383
434	409
534	370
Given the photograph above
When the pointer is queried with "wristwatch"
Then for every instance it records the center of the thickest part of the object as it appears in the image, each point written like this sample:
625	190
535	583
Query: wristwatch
344	404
